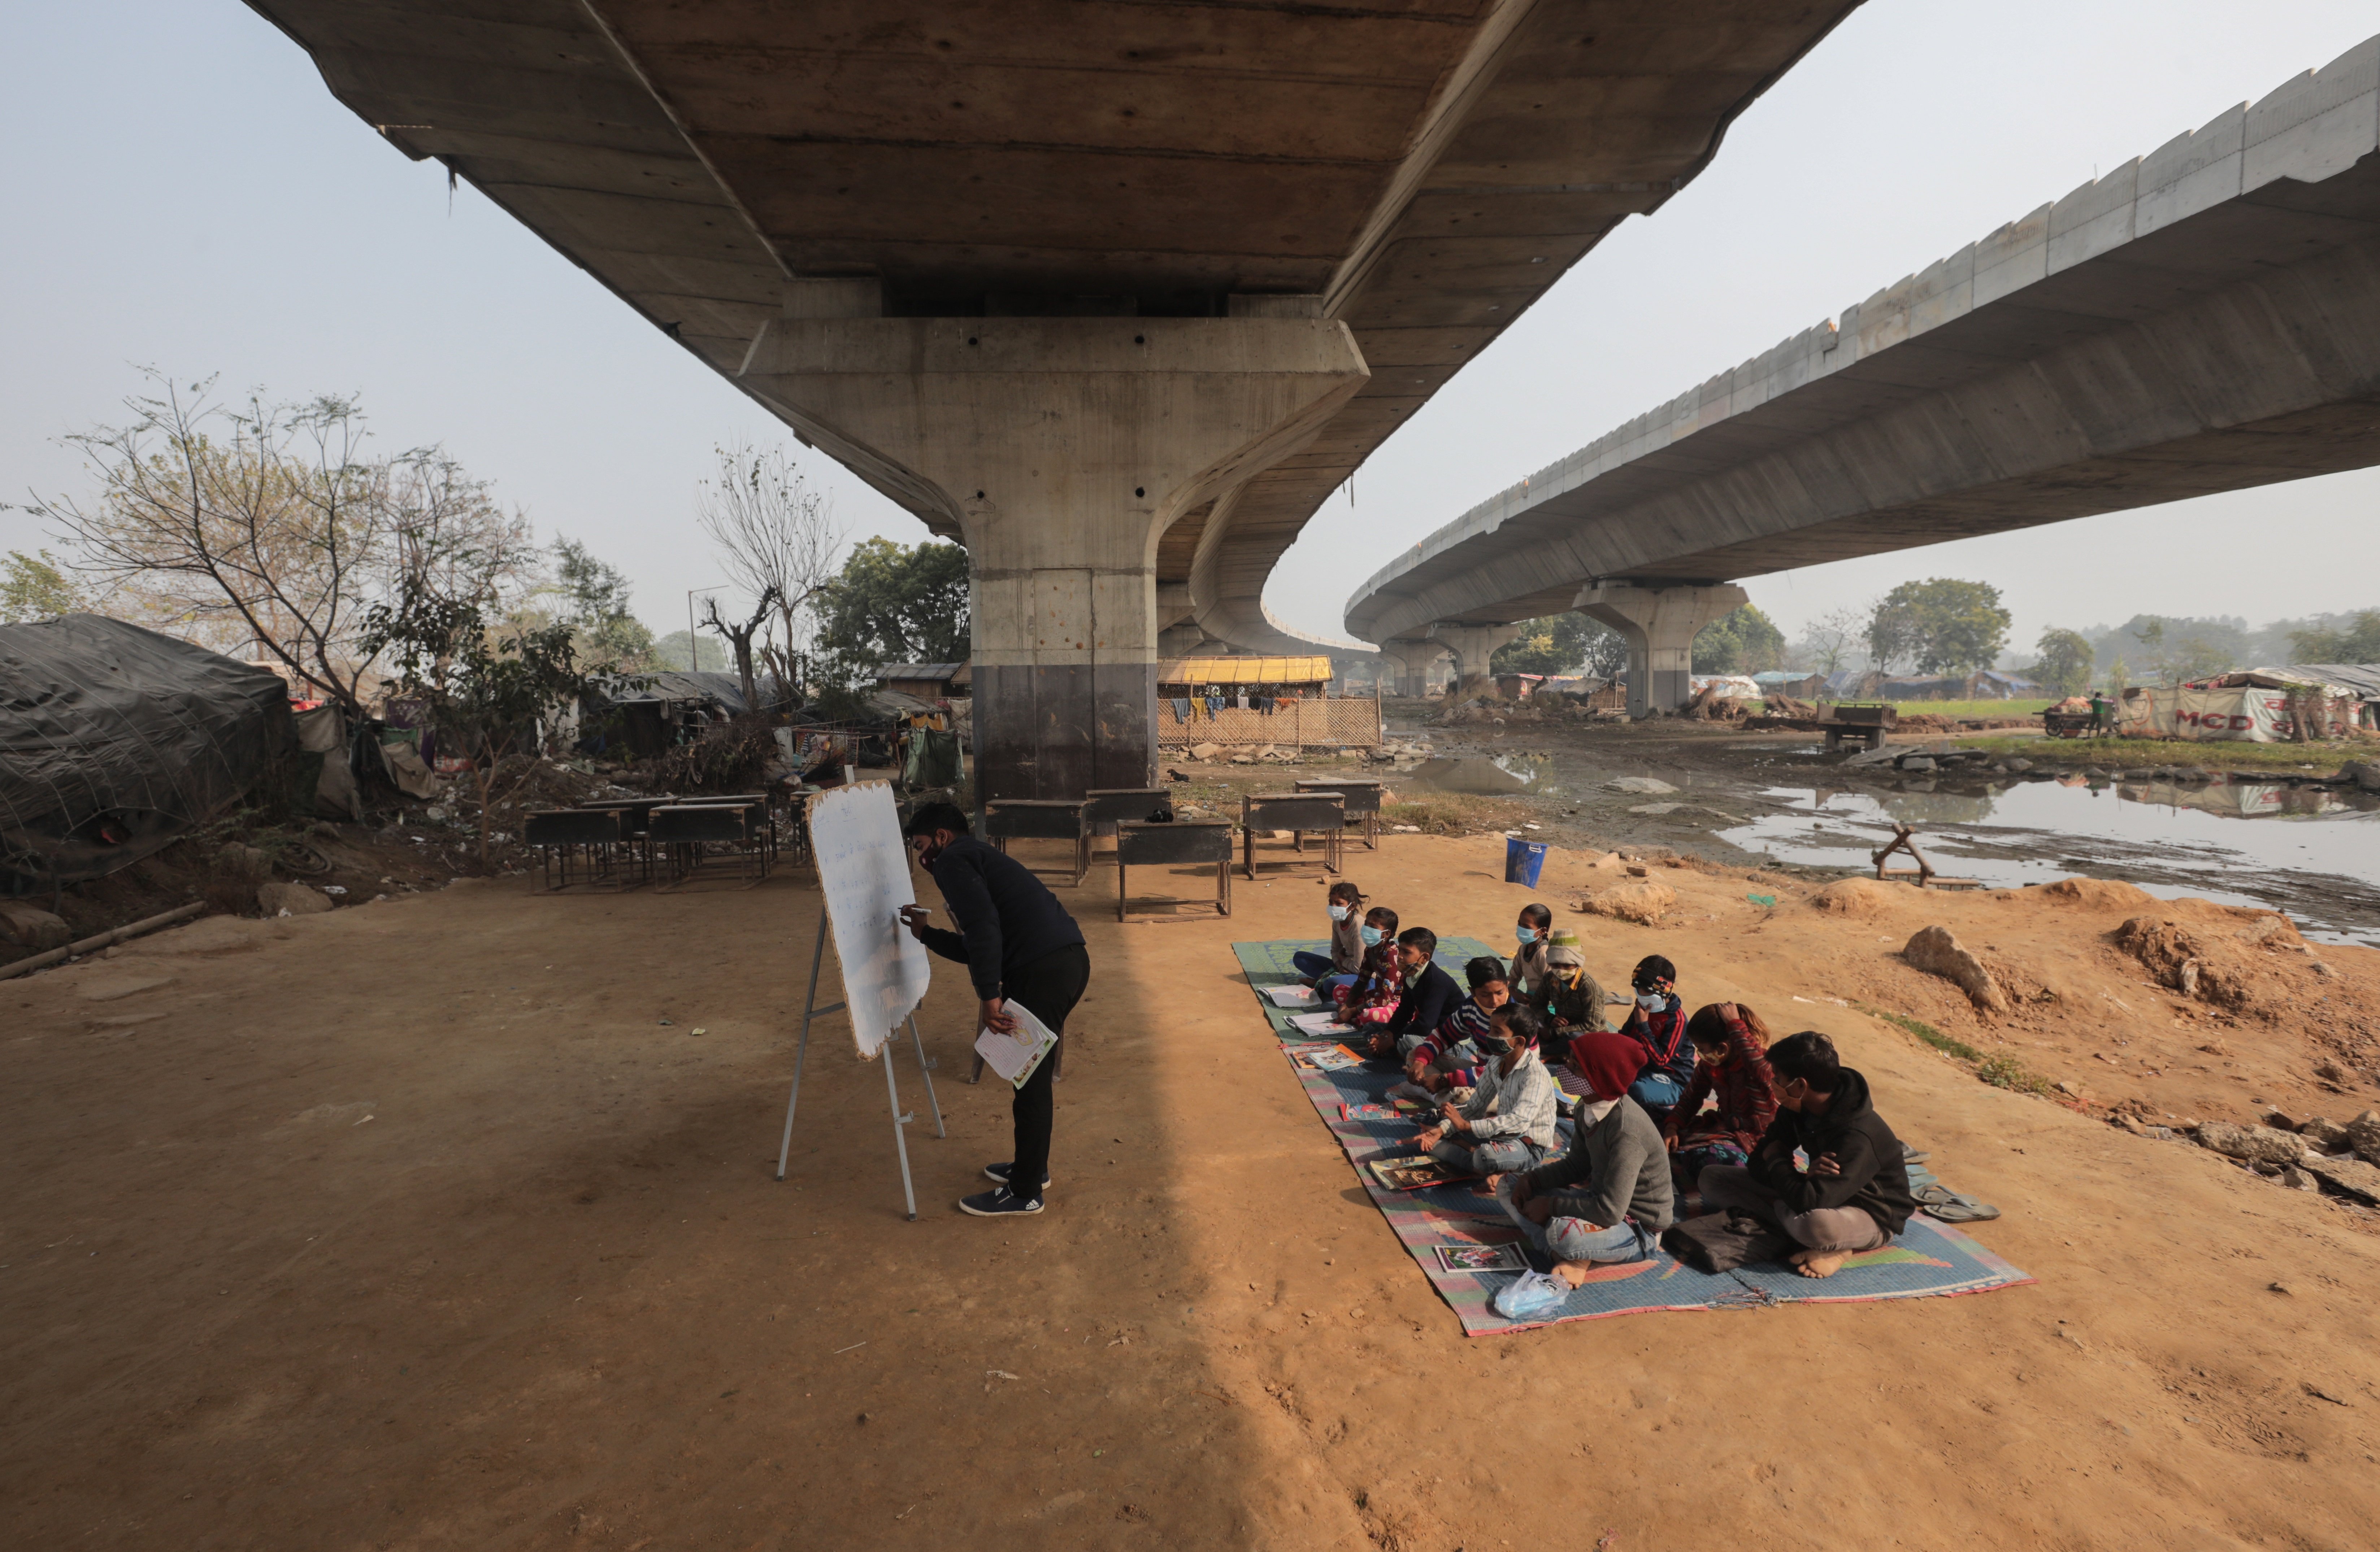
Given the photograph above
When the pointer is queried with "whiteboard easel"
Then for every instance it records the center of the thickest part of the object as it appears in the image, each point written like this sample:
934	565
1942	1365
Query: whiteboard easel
811	1009
863	868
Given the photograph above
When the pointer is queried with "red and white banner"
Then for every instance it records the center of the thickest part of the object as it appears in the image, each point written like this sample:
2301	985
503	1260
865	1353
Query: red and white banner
2246	714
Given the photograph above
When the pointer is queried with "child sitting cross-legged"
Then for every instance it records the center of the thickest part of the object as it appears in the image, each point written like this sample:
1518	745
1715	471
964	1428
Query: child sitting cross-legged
1448	1057
1368	997
1327	973
1506	1123
1732	1066
1609	1198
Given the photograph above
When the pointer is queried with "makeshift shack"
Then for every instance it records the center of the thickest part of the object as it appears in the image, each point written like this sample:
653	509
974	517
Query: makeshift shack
928	681
2255	706
115	741
1252	701
651	711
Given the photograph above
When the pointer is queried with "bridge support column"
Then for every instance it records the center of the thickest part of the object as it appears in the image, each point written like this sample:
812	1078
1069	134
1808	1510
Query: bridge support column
1659	622
1058	451
1472	646
1412	660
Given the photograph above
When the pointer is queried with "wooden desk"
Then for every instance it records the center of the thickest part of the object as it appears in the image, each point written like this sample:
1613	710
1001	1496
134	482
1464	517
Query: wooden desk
1298	813
562	836
1182	842
1040	819
1362	796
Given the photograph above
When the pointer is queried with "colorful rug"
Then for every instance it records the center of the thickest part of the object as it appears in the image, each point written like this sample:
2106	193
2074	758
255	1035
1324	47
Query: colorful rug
1267	964
1928	1260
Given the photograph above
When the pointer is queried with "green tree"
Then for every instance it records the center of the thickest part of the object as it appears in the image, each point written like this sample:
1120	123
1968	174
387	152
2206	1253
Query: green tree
488	689
33	588
671	652
1743	640
2358	643
595	603
1556	644
895	603
2067	659
1942	625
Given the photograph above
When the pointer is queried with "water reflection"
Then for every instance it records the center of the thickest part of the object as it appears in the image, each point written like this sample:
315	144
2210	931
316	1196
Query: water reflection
2315	851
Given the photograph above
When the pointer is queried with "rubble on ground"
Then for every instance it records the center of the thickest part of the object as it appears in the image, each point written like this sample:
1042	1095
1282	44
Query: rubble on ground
1637	900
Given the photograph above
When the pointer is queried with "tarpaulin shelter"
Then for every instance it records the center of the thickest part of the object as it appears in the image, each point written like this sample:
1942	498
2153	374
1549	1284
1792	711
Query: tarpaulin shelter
115	741
2258	706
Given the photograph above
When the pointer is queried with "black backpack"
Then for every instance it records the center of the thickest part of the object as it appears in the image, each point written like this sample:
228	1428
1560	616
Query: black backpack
1721	1242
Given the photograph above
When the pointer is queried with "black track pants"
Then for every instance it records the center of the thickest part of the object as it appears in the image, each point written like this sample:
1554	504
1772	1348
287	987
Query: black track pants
1051	985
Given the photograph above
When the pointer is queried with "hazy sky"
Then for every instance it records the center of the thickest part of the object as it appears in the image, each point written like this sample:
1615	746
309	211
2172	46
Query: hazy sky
184	192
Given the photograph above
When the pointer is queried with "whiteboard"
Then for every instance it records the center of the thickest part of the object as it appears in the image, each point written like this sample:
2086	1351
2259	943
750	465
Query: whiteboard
863	868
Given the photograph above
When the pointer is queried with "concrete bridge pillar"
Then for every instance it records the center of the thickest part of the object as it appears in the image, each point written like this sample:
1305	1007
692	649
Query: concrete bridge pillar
1471	646
1058	450
1660	622
1412	660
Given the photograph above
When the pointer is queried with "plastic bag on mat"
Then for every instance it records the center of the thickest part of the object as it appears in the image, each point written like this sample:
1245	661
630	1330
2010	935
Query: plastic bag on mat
1530	1295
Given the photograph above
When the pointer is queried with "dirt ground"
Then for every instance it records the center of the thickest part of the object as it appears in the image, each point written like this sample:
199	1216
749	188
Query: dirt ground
447	1222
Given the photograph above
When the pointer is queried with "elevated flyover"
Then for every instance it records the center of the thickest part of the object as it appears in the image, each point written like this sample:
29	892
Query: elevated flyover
1115	293
2206	318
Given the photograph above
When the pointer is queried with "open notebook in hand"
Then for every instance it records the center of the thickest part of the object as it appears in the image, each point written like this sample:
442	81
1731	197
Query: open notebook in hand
1014	1057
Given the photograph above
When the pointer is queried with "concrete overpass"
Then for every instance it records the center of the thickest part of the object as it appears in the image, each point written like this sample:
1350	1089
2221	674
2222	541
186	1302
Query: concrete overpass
1113	293
2206	318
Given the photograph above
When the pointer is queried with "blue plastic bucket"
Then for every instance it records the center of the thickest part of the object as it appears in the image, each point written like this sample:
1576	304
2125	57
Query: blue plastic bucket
1523	860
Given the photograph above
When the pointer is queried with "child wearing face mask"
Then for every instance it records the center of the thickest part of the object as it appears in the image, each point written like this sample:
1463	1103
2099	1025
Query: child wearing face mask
1507	1121
1347	957
1732	1066
1657	1024
1569	998
1449	1056
1371	995
1535	927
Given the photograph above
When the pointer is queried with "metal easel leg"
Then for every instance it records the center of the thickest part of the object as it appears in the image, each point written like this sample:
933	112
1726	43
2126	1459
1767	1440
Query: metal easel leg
900	1141
801	1052
927	1068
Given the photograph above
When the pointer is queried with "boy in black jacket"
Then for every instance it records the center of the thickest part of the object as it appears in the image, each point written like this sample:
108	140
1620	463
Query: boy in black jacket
1855	1195
1430	994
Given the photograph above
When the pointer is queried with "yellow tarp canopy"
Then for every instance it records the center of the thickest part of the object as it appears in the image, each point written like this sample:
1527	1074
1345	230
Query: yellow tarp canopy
1243	671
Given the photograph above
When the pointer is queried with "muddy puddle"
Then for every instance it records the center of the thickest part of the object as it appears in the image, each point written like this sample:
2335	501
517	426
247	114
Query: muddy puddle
2308	851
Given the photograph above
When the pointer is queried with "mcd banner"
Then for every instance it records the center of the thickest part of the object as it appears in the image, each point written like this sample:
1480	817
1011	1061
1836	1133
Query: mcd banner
2246	713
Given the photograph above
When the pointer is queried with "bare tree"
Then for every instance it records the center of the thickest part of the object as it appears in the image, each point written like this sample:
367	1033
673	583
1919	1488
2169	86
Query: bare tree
265	528
452	538
1828	640
255	523
776	538
740	637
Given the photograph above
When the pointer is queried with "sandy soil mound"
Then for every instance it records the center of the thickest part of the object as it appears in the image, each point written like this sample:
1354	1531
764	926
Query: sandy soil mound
2098	894
1639	900
1861	897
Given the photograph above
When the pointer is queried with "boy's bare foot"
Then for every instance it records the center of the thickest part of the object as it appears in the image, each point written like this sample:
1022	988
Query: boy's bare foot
1820	1263
1574	1272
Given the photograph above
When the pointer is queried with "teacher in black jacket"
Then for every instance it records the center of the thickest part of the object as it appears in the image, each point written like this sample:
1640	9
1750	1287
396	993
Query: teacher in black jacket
1019	945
